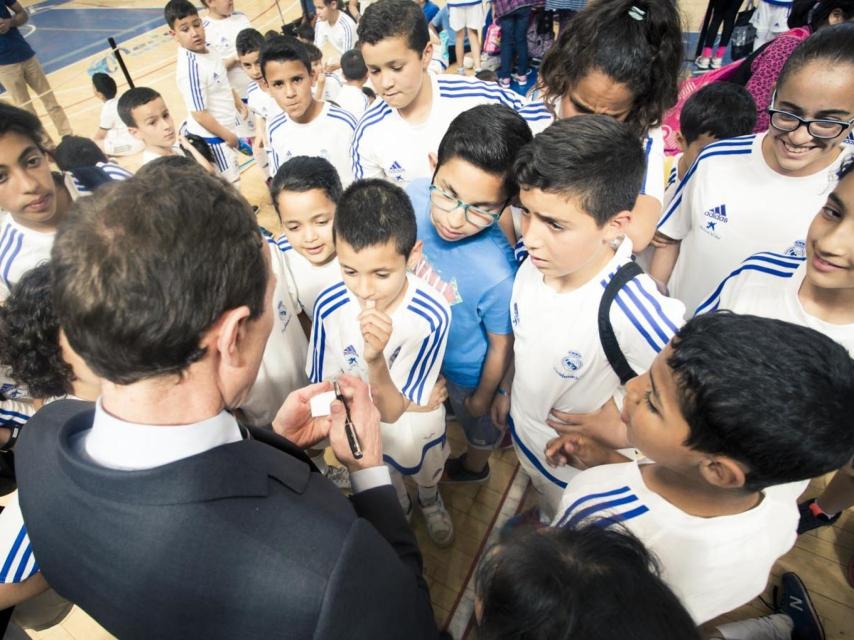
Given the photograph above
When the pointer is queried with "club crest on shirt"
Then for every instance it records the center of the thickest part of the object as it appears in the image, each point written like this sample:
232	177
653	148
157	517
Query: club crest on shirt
351	356
570	365
797	250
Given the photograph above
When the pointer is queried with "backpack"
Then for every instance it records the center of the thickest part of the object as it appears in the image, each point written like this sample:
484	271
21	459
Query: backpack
607	337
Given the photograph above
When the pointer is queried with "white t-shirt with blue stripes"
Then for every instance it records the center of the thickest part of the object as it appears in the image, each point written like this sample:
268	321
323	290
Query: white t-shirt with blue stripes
713	565
309	279
341	35
220	36
204	86
414	356
386	145
729	205
327	136
560	362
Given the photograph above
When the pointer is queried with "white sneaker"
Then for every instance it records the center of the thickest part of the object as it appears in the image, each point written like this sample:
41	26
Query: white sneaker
773	627
716	63
339	476
702	63
440	527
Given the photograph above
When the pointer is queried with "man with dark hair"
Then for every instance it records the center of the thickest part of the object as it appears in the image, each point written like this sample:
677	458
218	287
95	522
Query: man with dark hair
173	310
19	67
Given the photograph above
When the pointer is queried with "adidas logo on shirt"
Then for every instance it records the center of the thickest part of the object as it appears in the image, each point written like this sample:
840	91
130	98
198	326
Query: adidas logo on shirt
397	172
718	213
350	356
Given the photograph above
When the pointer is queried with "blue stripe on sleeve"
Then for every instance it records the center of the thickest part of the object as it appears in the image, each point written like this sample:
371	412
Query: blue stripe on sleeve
640	328
195	85
373	116
617	518
592	496
327	302
587	512
656	305
14	254
711	303
22	565
344	117
10	557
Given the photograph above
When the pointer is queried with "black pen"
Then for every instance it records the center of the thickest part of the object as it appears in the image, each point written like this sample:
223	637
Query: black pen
349	428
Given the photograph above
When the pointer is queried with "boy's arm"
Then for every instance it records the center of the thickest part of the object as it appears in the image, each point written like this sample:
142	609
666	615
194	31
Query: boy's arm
499	355
210	123
376	329
364	165
501	401
663	260
645	216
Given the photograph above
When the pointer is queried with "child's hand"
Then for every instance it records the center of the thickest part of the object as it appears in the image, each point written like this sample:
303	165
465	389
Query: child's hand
376	330
231	140
659	240
476	405
500	409
577	451
604	424
438	395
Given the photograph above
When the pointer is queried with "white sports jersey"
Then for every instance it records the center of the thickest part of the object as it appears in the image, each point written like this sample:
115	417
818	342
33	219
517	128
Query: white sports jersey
204	85
414	355
537	115
119	140
766	285
22	248
341	35
261	103
731	204
327	136
220	37
282	368
387	146
351	99
16	552
148	155
713	565
309	279
331	88
559	358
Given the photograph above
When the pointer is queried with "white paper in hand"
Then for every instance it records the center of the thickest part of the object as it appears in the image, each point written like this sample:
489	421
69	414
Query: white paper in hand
320	404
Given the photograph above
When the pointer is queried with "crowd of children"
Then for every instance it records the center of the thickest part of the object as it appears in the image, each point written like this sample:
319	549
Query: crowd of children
670	357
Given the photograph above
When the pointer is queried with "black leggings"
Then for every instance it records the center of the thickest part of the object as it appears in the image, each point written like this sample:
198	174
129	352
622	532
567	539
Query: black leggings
722	11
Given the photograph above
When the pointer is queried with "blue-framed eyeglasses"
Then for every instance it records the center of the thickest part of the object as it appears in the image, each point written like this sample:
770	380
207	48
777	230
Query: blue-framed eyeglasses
478	216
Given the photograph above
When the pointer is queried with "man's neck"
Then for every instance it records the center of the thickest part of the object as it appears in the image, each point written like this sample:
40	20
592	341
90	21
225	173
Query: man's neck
694	496
166	400
161	151
835	306
419	109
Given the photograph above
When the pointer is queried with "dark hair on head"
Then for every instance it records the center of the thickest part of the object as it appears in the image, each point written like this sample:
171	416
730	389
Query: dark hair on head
304	173
353	65
168	164
24	123
104	85
845	169
76	151
369	92
305	32
374	212
395	19
721	110
135	294
589	583
247	41
29	337
594	158
637	43
774	396
133	98
488	136
816	14
177	10
283	49
314	52
834	46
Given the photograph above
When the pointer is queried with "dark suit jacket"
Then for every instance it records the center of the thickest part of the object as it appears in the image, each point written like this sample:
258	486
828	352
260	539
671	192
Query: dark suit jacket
242	541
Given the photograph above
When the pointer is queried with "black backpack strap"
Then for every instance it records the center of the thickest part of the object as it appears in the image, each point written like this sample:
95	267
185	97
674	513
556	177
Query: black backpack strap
609	342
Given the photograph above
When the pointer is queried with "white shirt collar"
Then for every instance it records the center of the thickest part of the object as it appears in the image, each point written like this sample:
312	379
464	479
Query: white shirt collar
116	444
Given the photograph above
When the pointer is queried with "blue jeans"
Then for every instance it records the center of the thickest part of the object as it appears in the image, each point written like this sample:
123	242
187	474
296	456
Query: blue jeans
514	40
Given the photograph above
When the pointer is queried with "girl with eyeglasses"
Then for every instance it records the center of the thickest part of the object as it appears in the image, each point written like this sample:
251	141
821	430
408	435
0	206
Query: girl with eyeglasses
759	192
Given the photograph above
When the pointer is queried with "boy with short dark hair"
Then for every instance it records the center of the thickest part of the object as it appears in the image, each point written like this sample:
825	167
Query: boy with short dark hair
306	126
416	106
212	105
351	97
467	258
578	182
112	134
735	405
389	327
147	118
260	103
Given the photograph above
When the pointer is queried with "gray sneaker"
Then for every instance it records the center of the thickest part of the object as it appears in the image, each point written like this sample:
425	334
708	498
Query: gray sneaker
440	527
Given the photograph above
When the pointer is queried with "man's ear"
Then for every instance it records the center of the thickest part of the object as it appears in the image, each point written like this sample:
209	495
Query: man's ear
723	472
616	227
433	160
427	56
415	255
227	334
135	133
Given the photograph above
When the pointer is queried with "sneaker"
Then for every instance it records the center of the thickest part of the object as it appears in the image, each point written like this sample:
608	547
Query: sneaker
702	63
461	70
504	82
339	476
795	603
440	527
456	472
812	517
773	627
521	79
716	63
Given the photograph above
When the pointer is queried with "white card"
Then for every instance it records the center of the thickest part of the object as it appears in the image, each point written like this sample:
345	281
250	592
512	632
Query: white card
320	404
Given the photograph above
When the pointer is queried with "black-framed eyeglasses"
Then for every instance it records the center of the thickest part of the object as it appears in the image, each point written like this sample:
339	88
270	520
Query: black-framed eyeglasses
478	216
822	128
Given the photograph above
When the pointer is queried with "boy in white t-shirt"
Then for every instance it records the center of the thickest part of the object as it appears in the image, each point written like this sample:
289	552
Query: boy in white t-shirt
112	134
351	97
212	105
732	407
260	103
578	179
335	27
147	117
326	83
306	126
305	192
222	24
390	328
398	133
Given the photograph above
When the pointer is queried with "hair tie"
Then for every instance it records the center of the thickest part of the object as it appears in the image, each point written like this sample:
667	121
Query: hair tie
637	13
